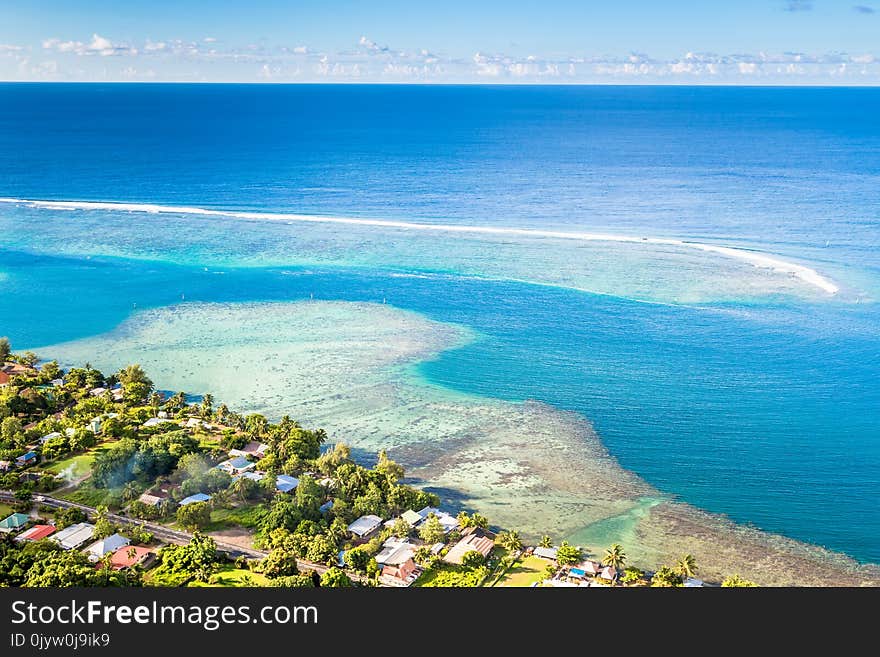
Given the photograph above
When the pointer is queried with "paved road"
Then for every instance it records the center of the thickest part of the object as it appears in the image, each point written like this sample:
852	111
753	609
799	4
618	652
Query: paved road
161	532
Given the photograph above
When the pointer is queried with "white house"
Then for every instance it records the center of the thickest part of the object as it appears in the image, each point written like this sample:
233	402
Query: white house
74	536
198	497
285	483
50	436
97	392
106	546
236	466
545	553
448	521
365	525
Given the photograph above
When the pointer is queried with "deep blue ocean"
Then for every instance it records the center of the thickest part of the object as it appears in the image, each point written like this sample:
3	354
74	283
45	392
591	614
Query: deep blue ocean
763	409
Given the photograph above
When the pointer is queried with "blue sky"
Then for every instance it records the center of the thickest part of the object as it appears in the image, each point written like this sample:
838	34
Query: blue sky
553	41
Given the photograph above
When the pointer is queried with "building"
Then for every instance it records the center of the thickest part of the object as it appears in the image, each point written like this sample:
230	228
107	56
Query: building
253	449
592	568
106	546
400	574
609	573
365	525
150	500
448	521
74	536
57	382
155	422
4	379
326	506
412	518
692	583
5	466
13	522
475	541
395	551
97	392
545	553
26	459
236	466
49	436
36	533
198	497
94	425
285	483
132	555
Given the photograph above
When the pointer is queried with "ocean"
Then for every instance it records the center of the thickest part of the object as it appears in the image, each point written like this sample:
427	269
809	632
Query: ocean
574	226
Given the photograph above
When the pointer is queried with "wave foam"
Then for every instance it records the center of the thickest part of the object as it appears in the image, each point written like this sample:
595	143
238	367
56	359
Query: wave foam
756	259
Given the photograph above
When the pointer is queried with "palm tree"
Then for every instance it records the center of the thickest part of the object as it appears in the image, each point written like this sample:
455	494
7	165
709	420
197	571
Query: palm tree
510	540
615	556
546	542
686	566
207	403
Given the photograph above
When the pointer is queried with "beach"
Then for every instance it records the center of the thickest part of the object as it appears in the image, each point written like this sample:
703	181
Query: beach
350	368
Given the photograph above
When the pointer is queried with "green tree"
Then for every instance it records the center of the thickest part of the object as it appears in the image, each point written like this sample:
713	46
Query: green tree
29	358
431	530
686	566
401	528
510	540
567	555
735	581
195	515
546	542
615	556
281	562
207	405
666	577
256	425
10	429
632	575
322	549
5	349
336	578
134	374
472	559
392	470
357	559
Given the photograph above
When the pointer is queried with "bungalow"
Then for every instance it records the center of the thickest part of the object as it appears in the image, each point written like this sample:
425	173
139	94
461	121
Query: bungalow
545	553
26	459
70	432
4	379
395	551
609	573
150	499
255	475
448	521
253	449
97	392
163	414
36	533
285	483
198	497
106	546
155	422
692	582
592	568
57	382
74	536
131	555
236	466
13	522
412	518
326	506
475	541
94	425
5	466
401	574
50	436
365	525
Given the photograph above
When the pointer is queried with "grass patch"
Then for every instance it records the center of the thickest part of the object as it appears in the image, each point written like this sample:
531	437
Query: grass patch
242	516
449	575
86	494
230	576
79	465
524	573
5	510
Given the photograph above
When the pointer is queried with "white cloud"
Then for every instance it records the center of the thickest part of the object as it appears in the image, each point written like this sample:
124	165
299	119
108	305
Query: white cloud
747	68
209	40
9	48
301	50
97	46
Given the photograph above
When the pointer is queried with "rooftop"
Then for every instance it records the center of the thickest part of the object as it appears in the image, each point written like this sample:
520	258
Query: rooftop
364	525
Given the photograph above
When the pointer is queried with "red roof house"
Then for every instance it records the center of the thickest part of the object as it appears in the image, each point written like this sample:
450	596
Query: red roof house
36	533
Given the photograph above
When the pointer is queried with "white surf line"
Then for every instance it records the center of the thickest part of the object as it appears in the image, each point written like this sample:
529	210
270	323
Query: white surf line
760	260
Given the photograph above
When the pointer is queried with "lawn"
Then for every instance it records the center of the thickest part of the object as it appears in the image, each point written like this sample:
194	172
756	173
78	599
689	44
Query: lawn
75	466
5	510
230	576
524	573
86	494
243	516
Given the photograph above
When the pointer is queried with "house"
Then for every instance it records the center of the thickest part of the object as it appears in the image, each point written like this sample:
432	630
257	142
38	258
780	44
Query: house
150	499
97	392
609	573
692	582
326	506
4	379
13	522
253	449
162	415
74	536
395	551
475	541
400	574
70	432
236	466
448	521
36	533
545	553
198	497
285	483
412	518
193	423
94	425
26	459
155	422
57	382
106	546
50	436
592	568
365	525
131	555
5	466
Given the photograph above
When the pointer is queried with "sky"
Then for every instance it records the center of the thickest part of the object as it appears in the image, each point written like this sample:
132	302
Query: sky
454	41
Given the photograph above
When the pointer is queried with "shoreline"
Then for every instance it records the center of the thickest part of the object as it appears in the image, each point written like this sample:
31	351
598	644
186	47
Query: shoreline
470	449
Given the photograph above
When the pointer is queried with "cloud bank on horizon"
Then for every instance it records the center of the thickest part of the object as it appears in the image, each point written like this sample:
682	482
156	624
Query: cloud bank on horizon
65	52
